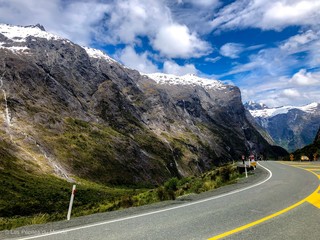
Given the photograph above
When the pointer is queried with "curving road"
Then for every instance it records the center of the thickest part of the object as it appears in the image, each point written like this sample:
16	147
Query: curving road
250	206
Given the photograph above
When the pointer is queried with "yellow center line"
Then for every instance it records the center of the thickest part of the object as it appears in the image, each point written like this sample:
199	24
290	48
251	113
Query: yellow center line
313	198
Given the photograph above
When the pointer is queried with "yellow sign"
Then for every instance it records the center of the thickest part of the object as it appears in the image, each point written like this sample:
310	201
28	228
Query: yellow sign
291	157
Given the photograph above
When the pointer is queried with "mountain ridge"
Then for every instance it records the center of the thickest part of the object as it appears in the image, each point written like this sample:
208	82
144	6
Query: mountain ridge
289	126
80	115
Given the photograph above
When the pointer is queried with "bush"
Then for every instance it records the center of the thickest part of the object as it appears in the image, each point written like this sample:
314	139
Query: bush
171	194
171	184
196	186
224	172
126	202
161	193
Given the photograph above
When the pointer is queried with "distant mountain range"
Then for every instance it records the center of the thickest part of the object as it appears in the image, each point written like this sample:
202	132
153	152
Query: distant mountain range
290	127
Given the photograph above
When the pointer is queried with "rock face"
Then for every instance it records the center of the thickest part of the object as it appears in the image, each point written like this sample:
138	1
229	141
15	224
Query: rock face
290	127
312	151
75	112
317	138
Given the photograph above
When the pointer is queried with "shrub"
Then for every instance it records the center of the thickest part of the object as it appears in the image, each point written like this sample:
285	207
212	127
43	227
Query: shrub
171	184
126	202
171	194
225	173
161	193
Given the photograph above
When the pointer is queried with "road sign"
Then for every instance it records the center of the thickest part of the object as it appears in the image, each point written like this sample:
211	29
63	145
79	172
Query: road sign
291	157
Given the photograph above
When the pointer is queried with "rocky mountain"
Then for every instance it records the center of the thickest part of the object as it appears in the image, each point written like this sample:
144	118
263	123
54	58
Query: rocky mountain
312	151
290	127
317	138
255	106
76	113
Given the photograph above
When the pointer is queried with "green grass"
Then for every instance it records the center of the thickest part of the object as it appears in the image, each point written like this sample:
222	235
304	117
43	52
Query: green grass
34	199
31	199
105	155
27	197
96	154
175	187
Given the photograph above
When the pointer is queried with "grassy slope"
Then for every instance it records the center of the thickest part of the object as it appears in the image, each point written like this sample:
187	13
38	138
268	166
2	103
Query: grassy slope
25	195
102	154
29	198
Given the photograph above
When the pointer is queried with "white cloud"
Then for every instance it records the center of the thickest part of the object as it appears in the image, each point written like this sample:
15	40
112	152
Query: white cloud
285	13
140	62
279	91
176	41
173	68
112	22
231	50
278	61
202	3
300	42
212	60
266	14
291	93
304	78
196	14
306	42
127	20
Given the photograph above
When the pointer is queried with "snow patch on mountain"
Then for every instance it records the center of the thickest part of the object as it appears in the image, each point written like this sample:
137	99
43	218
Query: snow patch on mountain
20	34
16	40
189	79
15	37
14	48
271	112
95	53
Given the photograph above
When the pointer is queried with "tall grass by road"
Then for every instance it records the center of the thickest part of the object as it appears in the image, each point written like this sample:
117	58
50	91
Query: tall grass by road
33	202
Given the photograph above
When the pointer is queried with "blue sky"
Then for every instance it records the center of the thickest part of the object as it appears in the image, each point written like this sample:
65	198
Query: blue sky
269	49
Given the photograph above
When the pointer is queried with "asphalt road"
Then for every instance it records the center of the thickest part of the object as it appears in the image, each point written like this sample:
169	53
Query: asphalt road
207	215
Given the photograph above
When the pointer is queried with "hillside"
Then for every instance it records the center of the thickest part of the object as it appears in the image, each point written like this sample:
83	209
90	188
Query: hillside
74	112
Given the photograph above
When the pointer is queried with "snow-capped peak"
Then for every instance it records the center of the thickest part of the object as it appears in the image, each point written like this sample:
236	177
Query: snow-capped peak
188	79
16	36
271	112
95	53
251	105
20	33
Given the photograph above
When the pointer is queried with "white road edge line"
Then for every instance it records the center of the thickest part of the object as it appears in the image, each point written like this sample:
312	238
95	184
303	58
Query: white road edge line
154	212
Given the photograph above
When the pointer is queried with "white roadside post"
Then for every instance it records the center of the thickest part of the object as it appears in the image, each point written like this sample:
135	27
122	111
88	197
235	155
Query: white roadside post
245	169
71	201
244	163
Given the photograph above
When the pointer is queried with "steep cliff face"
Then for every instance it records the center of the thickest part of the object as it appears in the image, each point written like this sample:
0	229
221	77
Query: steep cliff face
290	127
75	112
